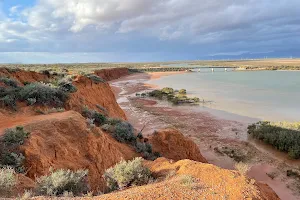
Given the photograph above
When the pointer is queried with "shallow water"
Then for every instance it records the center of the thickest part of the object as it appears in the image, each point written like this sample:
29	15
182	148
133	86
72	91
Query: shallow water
267	95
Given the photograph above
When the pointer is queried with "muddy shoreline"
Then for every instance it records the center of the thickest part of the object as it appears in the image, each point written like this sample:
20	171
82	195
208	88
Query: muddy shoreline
222	141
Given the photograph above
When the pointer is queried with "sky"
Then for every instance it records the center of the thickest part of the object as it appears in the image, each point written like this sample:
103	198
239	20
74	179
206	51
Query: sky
62	31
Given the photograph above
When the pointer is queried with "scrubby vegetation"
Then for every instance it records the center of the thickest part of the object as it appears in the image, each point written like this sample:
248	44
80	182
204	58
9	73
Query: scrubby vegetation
283	139
10	154
124	132
174	96
95	78
15	136
97	117
9	82
126	174
7	180
121	130
60	181
35	94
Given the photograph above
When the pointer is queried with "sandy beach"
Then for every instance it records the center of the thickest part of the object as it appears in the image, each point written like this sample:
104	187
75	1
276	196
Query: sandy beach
222	141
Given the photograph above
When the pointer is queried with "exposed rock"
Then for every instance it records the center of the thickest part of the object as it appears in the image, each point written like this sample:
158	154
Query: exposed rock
23	76
111	74
63	140
173	145
92	94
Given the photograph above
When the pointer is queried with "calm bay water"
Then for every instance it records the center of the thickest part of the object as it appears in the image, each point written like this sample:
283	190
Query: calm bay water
268	95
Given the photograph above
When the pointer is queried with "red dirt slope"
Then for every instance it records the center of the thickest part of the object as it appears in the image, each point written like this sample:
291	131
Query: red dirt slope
208	182
92	94
173	145
23	76
112	74
63	140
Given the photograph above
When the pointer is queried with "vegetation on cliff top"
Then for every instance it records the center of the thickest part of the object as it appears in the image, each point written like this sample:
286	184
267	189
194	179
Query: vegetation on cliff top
46	94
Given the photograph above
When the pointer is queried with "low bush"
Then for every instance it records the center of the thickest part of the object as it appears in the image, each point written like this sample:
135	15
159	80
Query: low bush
13	160
44	94
167	90
95	78
98	118
157	94
113	121
7	180
15	136
60	181
174	96
124	132
9	101
9	148
9	82
126	174
182	91
67	87
283	139
108	128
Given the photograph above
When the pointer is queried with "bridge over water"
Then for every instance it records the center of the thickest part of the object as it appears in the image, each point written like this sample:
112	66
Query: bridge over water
168	69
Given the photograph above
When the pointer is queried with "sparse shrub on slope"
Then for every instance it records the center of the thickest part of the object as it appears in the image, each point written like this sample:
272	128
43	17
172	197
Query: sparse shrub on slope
9	82
124	132
10	154
98	118
126	174
15	136
67	87
7	180
13	160
60	181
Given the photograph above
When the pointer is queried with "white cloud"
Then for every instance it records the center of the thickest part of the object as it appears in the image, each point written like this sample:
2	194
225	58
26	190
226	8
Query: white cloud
13	10
97	25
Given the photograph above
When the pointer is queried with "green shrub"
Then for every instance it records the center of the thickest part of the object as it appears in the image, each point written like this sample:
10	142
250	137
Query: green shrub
95	78
182	91
283	139
9	101
168	90
15	136
175	100
140	147
157	94
7	180
67	87
9	82
13	160
108	128
44	94
98	118
196	99
124	132
60	181
113	121
31	101
126	174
